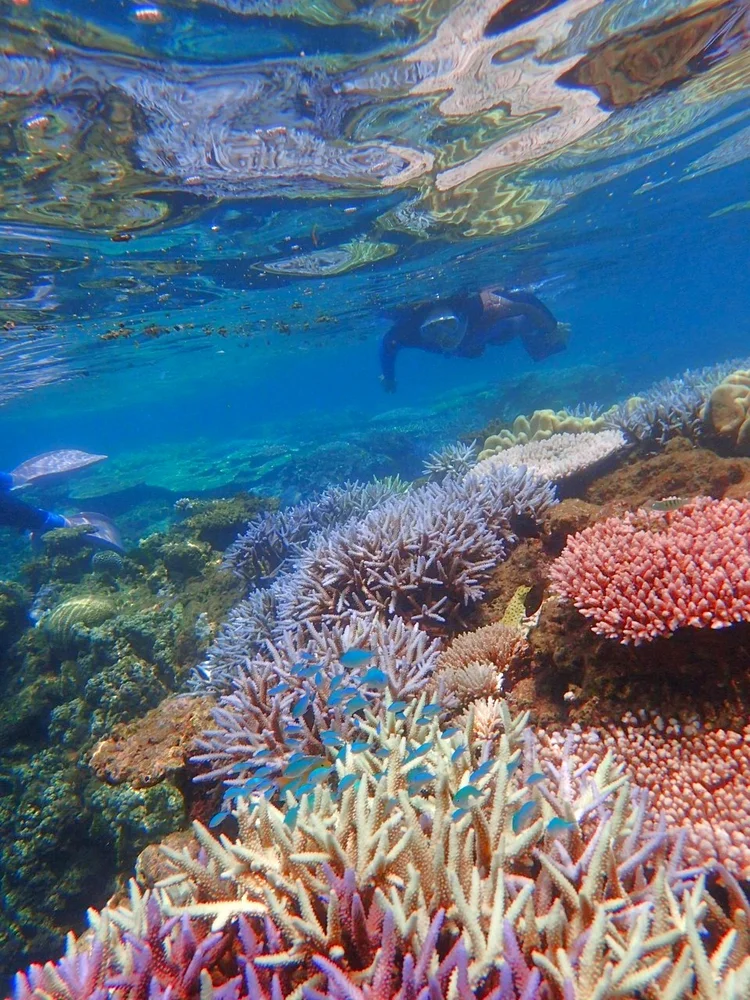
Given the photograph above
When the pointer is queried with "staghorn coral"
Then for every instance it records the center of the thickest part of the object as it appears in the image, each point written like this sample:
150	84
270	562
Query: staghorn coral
649	573
727	412
542	424
254	717
423	556
381	892
559	457
673	407
453	460
273	539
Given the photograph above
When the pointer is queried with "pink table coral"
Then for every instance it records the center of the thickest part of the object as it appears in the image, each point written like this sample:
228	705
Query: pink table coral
647	574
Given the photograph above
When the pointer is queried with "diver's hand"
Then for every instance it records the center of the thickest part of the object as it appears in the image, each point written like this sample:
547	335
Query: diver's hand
389	384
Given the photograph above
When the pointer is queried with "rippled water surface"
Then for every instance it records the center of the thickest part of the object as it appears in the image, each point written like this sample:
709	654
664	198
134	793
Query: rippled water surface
286	171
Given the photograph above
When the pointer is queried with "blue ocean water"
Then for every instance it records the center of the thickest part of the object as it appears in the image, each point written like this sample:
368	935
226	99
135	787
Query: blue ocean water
211	209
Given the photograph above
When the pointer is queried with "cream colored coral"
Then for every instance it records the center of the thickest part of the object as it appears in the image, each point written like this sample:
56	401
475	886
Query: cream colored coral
727	412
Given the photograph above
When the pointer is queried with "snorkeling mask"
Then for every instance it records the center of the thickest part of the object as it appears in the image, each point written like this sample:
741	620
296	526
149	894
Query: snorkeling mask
443	329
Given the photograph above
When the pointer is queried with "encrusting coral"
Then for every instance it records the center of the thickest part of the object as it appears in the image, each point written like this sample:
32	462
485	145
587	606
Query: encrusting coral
427	872
649	573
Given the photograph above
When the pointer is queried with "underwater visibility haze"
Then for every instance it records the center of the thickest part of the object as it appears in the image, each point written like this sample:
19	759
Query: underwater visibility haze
374	500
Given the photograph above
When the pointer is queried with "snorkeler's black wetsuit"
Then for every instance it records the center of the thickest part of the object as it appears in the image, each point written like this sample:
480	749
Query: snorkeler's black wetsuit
14	513
533	323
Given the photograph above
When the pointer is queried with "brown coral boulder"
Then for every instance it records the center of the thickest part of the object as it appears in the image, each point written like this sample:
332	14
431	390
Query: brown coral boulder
727	413
154	748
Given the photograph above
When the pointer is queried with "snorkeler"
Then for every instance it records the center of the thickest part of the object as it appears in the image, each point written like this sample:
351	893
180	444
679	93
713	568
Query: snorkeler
14	513
463	325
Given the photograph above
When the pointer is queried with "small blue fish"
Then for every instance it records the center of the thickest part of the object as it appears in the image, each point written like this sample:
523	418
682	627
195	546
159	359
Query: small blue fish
522	818
481	770
234	793
382	752
337	681
319	774
297	668
292	730
306	656
397	706
244	765
535	779
279	688
318	678
299	767
418	752
459	814
431	711
357	704
347	781
419	776
375	678
330	739
263	772
355	657
291	817
341	695
301	707
360	746
309	672
305	789
257	754
218	819
450	731
457	752
559	825
464	795
423	720
513	766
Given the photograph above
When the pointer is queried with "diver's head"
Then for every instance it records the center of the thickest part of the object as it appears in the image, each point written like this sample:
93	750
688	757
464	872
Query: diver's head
443	330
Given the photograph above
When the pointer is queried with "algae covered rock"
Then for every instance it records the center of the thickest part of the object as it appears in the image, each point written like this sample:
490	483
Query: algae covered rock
14	613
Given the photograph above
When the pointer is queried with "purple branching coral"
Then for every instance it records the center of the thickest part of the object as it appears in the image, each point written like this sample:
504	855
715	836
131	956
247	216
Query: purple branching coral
423	556
260	723
274	539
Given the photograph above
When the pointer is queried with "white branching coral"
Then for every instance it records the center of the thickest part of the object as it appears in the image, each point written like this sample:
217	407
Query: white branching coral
557	458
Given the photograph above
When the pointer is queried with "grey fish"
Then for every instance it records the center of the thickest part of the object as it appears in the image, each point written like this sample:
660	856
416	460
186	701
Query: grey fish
52	463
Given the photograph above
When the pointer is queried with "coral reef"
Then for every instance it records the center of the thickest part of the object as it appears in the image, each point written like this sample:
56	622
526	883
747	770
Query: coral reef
650	573
390	888
673	407
475	663
727	412
559	457
422	557
542	424
260	720
110	646
453	460
272	539
697	780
